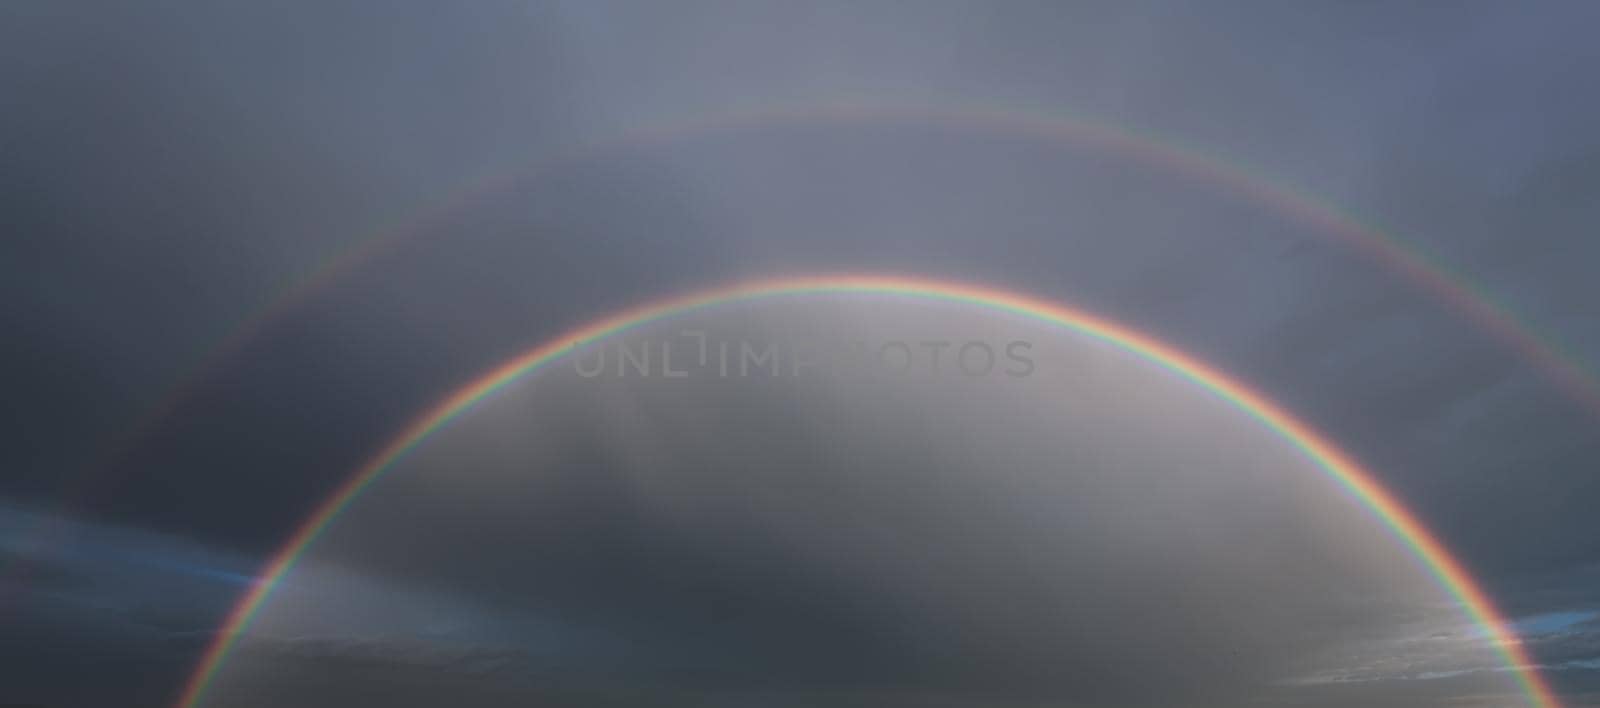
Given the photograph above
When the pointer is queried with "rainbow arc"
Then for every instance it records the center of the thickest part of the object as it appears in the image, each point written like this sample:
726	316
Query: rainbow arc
1385	507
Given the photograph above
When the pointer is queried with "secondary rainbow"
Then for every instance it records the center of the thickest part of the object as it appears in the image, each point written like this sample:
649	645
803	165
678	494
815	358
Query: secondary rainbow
1560	367
1417	539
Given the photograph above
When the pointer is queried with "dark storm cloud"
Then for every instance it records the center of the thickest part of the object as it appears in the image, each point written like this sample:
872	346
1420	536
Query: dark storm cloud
158	153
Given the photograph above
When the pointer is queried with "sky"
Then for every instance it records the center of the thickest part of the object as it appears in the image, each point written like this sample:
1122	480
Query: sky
245	244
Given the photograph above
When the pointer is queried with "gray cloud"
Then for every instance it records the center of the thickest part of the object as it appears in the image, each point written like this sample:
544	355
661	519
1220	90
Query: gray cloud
170	169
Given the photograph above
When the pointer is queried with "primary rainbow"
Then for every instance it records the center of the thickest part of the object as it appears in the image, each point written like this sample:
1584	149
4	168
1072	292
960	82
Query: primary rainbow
1400	521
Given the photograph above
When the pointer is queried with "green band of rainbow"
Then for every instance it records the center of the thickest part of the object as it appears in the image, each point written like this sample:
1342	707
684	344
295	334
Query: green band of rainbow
1449	572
